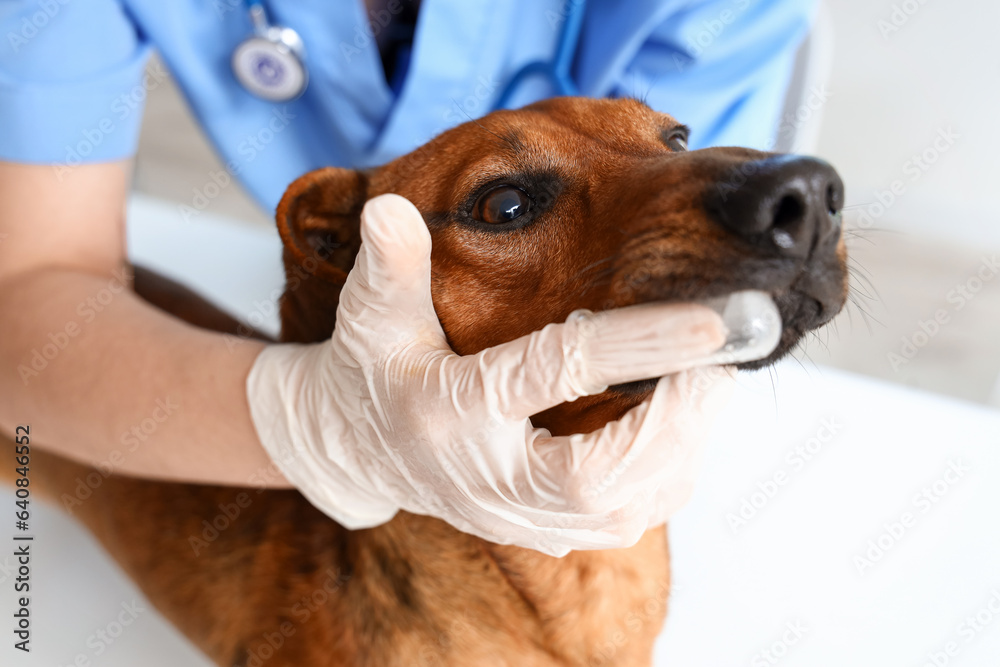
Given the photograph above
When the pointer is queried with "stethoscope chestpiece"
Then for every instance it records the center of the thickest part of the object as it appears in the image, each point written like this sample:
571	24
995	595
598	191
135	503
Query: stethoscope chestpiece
271	63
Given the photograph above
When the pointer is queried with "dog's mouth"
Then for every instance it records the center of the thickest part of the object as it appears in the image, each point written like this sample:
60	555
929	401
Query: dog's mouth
805	303
800	314
777	231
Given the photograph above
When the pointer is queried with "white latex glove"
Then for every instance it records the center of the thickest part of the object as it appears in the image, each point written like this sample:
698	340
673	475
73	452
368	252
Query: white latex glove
385	416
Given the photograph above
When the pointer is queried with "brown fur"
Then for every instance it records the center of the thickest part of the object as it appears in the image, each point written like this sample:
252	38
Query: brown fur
624	223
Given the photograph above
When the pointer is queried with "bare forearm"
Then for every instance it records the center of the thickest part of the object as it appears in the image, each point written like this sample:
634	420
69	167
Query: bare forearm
105	378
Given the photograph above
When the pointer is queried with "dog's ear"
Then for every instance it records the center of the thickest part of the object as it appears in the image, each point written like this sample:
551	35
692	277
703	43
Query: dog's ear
319	219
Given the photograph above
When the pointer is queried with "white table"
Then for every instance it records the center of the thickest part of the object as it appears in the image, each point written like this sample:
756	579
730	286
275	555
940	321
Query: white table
787	581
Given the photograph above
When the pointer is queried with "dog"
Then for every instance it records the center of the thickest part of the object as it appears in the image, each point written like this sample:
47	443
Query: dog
565	204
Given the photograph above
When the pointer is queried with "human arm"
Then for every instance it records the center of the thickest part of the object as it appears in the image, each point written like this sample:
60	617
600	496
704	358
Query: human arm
127	385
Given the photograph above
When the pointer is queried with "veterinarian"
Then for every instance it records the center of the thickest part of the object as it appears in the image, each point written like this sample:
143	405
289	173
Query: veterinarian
281	89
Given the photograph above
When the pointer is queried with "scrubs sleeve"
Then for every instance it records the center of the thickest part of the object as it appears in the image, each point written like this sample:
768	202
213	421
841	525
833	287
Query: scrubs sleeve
722	67
72	81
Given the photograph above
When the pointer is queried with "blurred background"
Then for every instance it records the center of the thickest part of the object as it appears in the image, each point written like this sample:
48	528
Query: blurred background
902	99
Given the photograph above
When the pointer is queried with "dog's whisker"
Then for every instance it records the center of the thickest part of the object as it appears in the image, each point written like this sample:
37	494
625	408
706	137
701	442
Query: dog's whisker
870	230
798	349
852	261
859	283
819	341
774	388
593	265
596	283
853	292
852	234
850	313
808	357
865	315
862	275
599	277
861	286
644	236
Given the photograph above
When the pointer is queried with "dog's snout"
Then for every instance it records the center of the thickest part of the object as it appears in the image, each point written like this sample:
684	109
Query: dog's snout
790	204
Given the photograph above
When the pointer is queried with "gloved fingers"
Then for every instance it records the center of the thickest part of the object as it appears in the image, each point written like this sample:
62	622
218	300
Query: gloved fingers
573	534
553	532
388	292
649	341
556	538
616	529
563	362
591	465
652	447
398	243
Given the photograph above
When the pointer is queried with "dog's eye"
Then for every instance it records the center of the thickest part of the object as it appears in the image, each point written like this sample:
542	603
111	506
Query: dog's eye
501	205
677	141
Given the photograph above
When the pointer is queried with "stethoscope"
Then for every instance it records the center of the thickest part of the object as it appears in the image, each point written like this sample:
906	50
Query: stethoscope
271	63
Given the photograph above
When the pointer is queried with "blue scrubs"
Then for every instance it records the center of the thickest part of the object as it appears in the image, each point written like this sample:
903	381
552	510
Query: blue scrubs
72	79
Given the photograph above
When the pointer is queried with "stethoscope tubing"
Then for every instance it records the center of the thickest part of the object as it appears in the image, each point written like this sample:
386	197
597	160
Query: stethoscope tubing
557	71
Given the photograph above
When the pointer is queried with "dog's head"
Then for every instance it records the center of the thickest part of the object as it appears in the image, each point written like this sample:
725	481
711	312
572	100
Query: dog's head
578	203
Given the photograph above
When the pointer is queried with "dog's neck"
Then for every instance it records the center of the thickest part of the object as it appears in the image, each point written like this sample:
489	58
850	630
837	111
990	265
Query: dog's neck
451	593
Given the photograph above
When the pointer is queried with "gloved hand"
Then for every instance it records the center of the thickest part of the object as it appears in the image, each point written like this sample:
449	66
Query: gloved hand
384	416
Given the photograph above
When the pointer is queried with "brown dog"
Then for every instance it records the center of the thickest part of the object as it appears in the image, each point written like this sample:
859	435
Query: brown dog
566	204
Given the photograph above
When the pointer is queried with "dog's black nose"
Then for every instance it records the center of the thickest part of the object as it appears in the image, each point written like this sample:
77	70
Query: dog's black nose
787	203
